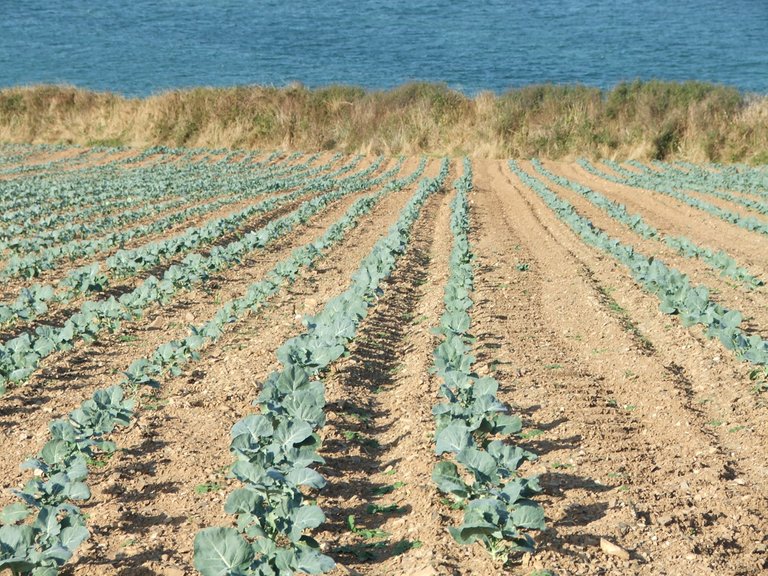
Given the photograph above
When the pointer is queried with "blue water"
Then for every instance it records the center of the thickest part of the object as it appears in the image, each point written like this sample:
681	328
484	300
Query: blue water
141	47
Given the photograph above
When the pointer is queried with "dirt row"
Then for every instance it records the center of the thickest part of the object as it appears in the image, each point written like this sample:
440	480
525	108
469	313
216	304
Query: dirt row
723	290
647	434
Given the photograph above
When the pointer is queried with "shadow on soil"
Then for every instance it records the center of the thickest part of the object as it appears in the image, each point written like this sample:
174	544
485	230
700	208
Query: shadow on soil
136	519
357	508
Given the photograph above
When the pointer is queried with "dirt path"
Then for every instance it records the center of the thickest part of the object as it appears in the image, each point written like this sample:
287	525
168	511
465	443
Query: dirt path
626	451
378	441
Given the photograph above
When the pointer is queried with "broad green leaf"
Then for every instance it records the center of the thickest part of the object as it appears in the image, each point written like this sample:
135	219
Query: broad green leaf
17	538
311	561
453	438
306	477
14	513
241	501
446	477
254	426
528	514
306	517
73	536
220	551
479	462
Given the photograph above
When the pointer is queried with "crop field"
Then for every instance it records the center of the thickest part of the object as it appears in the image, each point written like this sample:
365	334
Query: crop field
270	363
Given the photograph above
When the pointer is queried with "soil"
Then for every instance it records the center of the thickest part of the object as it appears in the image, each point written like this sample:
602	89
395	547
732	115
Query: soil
649	435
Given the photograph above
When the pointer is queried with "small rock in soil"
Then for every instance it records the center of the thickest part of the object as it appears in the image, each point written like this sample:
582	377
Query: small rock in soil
612	549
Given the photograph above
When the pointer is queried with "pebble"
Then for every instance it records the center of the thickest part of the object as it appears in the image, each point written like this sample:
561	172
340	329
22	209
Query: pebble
624	528
612	549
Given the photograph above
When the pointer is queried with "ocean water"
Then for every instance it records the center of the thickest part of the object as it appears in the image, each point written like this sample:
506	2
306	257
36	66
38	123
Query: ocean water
141	47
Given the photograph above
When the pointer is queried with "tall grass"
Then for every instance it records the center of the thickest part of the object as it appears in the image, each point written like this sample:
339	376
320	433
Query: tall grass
666	120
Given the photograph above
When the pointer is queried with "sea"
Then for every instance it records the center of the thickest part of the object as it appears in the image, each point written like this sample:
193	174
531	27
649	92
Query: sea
142	47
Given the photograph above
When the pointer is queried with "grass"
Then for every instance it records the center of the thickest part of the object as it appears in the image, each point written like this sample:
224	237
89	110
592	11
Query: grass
694	121
532	433
208	487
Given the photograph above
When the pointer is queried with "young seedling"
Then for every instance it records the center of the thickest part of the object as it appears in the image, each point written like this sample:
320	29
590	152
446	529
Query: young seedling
368	534
404	545
532	433
382	508
208	487
387	488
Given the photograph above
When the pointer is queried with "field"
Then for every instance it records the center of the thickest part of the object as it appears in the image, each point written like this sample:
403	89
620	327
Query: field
255	362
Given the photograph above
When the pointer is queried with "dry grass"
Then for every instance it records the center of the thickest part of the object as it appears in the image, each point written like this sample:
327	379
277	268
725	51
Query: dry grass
693	121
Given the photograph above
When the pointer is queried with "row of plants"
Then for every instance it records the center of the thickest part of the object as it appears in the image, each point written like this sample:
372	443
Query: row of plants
35	261
33	301
183	186
703	183
21	356
64	459
13	154
194	183
276	449
173	356
633	179
18	159
719	260
675	292
479	470
129	262
63	202
741	179
57	185
41	532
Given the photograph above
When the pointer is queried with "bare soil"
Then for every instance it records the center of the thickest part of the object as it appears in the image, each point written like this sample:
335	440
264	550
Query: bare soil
649	435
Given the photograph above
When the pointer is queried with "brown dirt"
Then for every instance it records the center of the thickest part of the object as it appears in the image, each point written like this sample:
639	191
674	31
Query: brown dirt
723	290
629	452
648	434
